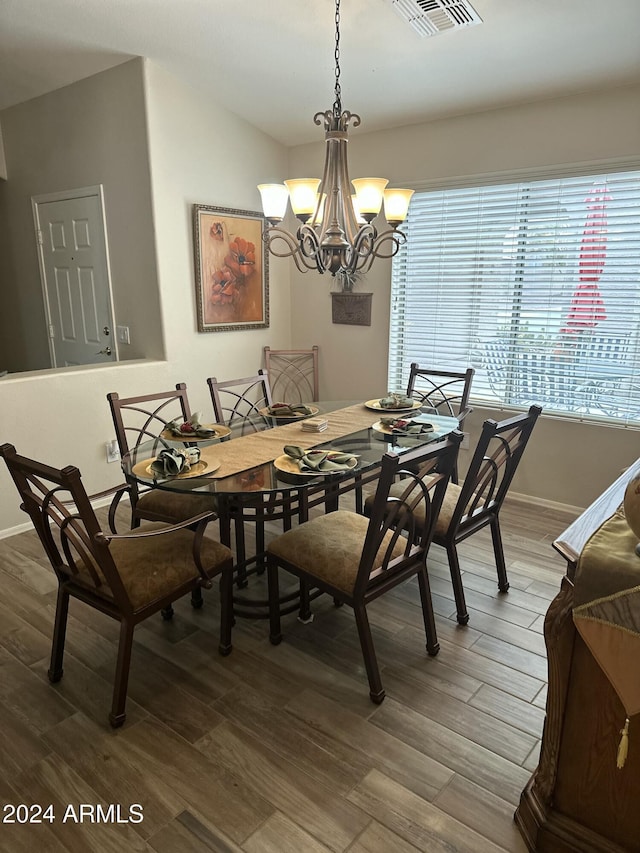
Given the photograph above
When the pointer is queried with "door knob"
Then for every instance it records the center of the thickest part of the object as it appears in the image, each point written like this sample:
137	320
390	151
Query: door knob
105	351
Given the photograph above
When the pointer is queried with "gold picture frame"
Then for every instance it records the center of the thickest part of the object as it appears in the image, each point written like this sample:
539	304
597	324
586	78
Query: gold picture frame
231	269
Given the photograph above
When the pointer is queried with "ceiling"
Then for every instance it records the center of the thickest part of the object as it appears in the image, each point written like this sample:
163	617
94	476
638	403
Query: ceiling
271	61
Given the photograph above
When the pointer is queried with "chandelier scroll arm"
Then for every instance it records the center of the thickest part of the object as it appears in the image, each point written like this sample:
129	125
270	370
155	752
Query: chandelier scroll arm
293	248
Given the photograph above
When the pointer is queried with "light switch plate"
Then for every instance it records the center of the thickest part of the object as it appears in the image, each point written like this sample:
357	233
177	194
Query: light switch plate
122	333
112	451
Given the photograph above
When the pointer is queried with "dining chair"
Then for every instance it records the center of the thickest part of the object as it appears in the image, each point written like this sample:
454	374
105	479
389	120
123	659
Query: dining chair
241	400
127	577
141	419
476	504
356	560
293	374
442	392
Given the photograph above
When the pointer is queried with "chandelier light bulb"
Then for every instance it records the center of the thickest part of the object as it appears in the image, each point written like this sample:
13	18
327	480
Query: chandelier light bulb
396	205
274	201
369	195
303	193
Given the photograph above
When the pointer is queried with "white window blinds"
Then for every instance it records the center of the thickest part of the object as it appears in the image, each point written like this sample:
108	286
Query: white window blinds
535	284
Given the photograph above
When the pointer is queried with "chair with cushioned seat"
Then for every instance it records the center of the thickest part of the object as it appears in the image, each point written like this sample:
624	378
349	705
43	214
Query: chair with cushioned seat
240	401
293	374
443	392
127	577
356	560
142	418
476	504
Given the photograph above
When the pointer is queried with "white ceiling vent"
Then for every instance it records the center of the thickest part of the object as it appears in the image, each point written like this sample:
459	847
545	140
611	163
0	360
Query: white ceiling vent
430	17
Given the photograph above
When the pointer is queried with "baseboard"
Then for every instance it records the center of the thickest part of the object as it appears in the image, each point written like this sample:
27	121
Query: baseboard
14	531
546	504
27	525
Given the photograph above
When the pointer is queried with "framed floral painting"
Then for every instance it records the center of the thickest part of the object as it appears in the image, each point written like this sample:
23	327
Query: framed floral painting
232	270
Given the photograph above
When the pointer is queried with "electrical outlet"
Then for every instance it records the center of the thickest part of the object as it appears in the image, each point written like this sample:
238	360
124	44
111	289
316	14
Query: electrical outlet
112	450
464	444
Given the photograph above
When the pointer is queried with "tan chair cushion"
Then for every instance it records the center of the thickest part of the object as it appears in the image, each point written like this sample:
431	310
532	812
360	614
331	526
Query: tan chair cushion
329	547
151	567
446	511
176	505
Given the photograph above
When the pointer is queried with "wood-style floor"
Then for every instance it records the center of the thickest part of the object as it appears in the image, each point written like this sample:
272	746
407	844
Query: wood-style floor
279	749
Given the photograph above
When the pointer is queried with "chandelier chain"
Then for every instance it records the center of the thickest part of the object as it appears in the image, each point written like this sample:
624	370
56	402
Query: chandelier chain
337	104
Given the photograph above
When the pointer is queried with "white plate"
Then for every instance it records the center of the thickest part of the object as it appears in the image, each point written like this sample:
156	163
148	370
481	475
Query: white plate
376	407
288	465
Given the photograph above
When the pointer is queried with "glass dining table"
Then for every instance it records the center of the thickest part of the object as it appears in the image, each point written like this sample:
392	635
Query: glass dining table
252	480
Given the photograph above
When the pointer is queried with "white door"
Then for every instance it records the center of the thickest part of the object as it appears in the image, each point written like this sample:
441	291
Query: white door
75	271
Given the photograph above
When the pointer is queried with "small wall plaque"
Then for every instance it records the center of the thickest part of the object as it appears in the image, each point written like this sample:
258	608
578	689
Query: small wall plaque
351	309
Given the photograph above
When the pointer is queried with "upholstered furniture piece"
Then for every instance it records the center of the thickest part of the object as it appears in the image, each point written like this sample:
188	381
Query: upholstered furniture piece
577	799
136	420
127	577
293	374
476	503
356	560
442	392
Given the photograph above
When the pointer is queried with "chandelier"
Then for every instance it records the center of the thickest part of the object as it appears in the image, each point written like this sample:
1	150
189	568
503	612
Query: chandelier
336	234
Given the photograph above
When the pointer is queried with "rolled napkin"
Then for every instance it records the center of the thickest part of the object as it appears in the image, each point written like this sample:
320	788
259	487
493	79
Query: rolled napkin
396	400
322	461
183	429
404	426
171	462
289	409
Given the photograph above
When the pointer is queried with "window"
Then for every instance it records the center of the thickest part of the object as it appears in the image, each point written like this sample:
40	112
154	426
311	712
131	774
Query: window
535	284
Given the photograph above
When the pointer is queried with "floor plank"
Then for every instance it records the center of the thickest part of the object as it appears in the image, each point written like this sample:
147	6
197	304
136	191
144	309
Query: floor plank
420	823
482	811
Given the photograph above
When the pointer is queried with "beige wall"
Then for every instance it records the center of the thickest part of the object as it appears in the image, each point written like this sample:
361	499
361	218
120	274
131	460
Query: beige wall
566	462
91	132
202	154
199	153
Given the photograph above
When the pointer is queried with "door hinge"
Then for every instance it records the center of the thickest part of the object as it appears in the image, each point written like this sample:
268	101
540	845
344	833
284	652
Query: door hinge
52	331
39	236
